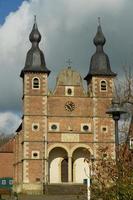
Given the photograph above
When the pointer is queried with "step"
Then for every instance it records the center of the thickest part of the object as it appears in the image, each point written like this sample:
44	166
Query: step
52	197
65	189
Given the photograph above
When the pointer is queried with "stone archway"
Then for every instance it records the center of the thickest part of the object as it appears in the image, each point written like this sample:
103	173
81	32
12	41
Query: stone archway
58	167
81	170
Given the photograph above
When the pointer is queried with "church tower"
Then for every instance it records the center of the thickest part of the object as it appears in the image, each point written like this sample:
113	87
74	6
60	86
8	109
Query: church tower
61	130
100	82
34	140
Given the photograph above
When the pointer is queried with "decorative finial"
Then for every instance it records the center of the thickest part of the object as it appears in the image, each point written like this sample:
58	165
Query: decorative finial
99	21
99	39
34	19
35	36
69	62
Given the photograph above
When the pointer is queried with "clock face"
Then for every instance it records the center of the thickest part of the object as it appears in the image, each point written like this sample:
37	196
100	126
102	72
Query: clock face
69	106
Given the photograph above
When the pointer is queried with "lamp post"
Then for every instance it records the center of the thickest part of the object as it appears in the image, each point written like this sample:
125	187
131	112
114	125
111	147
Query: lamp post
116	110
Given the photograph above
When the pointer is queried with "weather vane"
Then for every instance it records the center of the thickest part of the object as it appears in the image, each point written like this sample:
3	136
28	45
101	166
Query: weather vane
69	62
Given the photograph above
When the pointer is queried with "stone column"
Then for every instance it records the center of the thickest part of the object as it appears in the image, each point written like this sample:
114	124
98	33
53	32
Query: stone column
69	169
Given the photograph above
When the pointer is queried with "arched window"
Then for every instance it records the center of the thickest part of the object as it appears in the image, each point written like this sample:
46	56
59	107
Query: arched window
103	86
35	83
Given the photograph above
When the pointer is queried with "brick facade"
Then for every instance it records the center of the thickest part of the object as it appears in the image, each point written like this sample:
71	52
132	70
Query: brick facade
60	128
46	110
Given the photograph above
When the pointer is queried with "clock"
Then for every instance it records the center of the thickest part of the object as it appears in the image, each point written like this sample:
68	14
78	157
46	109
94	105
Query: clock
69	106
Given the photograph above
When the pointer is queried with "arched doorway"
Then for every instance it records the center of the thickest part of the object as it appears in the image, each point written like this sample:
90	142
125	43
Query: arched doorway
64	170
58	165
81	170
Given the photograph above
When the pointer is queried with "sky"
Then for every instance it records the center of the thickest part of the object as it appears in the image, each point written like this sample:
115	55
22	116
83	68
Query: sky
67	28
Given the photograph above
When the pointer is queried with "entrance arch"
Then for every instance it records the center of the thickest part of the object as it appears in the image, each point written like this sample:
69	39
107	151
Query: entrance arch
81	168
58	165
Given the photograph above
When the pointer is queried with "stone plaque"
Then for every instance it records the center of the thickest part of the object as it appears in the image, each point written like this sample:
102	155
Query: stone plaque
70	137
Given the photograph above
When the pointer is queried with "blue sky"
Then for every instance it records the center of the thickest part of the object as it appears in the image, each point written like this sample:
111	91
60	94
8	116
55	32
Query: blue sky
7	6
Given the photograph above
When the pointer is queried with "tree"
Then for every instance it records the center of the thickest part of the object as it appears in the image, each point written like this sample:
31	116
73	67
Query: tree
111	181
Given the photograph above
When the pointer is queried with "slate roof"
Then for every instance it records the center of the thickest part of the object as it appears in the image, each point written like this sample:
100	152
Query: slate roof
35	60
100	64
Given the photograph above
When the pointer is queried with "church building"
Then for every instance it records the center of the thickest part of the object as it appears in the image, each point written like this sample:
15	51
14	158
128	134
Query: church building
62	128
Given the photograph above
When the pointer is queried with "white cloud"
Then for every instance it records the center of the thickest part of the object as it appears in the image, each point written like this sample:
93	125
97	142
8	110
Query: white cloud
60	22
9	122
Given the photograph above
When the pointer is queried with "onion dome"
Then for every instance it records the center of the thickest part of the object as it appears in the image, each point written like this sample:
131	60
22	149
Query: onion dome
100	64
35	60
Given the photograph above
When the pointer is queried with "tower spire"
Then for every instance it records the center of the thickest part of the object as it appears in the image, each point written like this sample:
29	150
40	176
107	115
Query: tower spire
35	60
100	64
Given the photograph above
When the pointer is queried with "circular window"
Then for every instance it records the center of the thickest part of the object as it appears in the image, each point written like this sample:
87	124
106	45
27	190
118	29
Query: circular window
69	91
104	129
35	154
35	127
85	128
54	127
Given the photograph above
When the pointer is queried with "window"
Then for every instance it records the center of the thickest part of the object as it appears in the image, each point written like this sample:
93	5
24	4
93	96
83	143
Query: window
35	155
38	179
54	127
35	127
3	182
131	144
104	129
10	182
103	86
35	83
69	91
85	128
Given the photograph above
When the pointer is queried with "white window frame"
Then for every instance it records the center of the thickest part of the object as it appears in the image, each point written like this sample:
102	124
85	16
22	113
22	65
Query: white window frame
101	87
85	124
33	83
54	123
35	124
66	90
10	182
35	157
3	182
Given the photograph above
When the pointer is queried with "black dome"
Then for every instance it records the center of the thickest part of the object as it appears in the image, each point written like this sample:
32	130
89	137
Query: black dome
99	65
35	60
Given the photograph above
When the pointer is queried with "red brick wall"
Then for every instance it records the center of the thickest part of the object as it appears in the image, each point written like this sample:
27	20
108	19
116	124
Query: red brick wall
6	165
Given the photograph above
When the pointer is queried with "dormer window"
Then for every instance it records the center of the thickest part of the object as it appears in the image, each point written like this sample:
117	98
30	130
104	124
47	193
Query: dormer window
36	83
103	86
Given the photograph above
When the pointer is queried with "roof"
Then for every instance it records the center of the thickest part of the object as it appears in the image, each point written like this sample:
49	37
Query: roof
19	128
35	60
7	147
69	77
100	64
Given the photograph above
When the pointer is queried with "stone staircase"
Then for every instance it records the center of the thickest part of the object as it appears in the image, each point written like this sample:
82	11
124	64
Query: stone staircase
65	192
60	192
65	189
